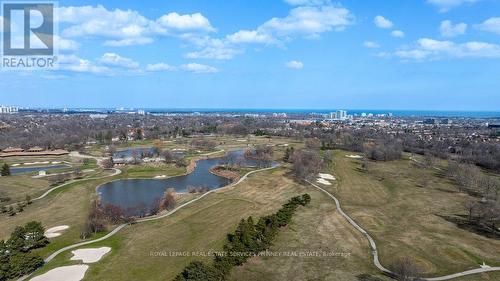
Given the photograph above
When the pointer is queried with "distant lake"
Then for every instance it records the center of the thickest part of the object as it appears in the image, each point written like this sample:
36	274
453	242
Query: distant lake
138	196
22	170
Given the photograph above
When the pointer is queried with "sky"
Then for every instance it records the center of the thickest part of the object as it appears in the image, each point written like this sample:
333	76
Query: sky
314	54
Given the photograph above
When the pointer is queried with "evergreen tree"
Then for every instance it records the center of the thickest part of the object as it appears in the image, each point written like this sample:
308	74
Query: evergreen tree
35	237
5	170
248	239
197	271
17	239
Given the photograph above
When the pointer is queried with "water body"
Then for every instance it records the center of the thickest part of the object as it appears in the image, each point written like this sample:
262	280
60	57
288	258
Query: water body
137	196
23	170
139	151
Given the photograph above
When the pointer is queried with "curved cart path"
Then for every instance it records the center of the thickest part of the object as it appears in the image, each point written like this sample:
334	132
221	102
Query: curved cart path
120	227
375	253
116	172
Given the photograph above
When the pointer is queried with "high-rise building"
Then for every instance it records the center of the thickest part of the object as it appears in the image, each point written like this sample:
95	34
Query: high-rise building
341	114
8	109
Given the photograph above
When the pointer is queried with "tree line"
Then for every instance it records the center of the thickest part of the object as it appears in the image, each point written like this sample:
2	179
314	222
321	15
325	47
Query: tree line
248	240
483	211
16	256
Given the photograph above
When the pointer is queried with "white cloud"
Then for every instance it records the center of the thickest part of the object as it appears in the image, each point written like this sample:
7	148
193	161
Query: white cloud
127	27
115	60
294	64
98	21
199	68
65	45
448	29
382	22
427	48
249	36
303	21
490	25
398	33
217	53
159	67
371	45
308	21
73	63
446	5
185	22
129	42
307	2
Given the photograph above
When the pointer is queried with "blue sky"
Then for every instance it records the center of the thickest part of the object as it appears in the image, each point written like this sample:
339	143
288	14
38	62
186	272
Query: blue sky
386	54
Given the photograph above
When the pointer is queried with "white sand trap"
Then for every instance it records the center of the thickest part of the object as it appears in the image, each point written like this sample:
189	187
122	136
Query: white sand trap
64	273
55	231
161	177
323	181
15	165
354	156
327	176
90	255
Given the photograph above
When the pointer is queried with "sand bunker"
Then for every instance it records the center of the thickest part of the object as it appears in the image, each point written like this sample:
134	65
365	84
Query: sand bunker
64	273
160	177
323	181
90	255
326	176
354	156
55	231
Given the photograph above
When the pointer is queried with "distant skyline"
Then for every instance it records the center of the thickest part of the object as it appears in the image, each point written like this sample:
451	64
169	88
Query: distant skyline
289	54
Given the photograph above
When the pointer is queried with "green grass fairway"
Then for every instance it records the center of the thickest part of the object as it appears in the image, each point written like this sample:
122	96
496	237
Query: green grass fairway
317	227
203	226
405	219
16	187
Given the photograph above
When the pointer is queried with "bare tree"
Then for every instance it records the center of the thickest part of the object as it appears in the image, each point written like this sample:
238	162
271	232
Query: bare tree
405	269
168	156
306	163
168	201
107	163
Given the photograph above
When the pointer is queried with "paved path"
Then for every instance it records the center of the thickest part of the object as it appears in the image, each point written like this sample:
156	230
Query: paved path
116	172
120	227
375	253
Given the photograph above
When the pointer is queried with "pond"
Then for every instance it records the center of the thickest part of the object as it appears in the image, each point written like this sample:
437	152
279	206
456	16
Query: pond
138	196
141	151
22	170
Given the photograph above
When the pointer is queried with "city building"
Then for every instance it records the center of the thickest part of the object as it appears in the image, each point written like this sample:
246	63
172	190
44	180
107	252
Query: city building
341	114
8	109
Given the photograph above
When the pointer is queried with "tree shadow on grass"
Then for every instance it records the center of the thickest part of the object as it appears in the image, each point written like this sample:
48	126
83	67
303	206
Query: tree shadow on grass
462	222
